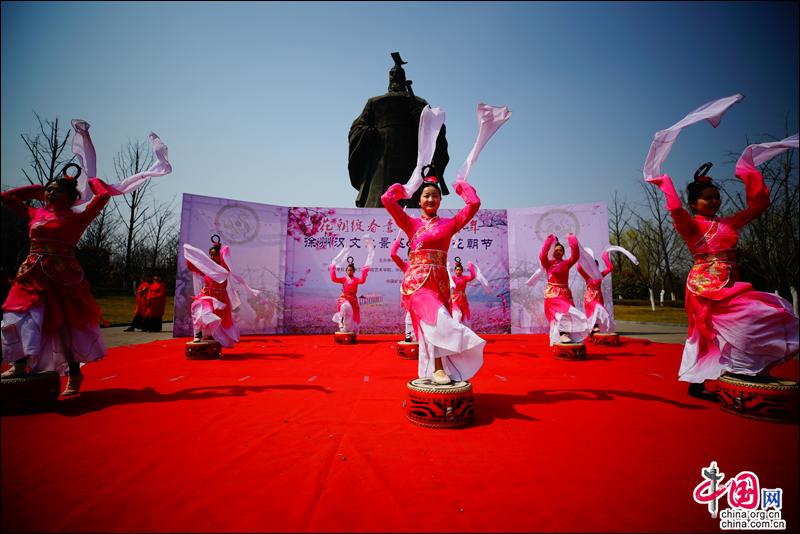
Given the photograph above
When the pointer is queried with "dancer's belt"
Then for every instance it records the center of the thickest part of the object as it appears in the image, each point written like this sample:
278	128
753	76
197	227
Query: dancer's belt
726	256
434	258
215	292
52	247
554	290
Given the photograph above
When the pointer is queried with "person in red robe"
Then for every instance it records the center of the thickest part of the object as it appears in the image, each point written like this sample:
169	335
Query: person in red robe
154	309
141	305
51	321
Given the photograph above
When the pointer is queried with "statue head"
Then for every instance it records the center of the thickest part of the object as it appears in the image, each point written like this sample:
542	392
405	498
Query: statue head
397	80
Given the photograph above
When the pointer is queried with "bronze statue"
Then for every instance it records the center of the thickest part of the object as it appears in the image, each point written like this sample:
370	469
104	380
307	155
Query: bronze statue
383	142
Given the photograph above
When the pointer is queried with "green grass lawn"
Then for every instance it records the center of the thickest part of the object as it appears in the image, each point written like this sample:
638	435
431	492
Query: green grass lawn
118	309
643	314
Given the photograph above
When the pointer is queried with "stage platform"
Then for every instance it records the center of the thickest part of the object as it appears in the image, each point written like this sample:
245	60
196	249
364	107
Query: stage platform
299	434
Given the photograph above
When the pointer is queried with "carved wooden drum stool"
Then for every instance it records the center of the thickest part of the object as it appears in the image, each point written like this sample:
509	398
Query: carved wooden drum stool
569	351
439	406
205	349
759	397
32	393
346	338
408	350
605	338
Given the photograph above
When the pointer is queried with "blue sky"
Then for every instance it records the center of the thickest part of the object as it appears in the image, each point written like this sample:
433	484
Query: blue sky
255	100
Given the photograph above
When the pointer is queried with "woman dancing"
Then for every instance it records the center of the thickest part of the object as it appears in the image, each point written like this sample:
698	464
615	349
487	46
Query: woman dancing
348	314
567	323
212	314
447	348
458	298
403	266
732	327
593	303
51	321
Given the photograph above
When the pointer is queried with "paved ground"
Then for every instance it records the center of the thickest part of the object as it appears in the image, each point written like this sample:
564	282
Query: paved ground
115	336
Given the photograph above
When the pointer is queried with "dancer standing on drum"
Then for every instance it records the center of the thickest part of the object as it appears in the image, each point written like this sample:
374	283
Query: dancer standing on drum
567	323
409	325
732	327
51	321
593	303
348	314
458	297
212	314
447	349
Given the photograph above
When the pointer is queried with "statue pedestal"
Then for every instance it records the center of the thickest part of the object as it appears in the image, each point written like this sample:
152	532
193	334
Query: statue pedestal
436	406
205	349
606	338
569	351
35	392
759	397
346	338
408	350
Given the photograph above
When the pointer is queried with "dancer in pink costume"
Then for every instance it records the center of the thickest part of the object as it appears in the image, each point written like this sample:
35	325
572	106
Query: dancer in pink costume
458	297
51	320
348	314
732	327
212	309
446	347
593	303
403	266
567	323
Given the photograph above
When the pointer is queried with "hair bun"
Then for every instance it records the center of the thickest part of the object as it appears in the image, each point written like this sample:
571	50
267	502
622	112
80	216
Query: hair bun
701	174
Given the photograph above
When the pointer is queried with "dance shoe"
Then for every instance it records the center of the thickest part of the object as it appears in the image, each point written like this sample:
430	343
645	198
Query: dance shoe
15	371
73	385
565	338
440	377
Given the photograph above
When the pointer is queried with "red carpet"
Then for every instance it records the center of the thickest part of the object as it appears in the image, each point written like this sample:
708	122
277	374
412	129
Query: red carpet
294	433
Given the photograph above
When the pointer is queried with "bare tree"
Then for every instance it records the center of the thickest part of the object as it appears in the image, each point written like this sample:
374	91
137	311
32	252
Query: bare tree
132	159
46	150
665	238
619	216
160	228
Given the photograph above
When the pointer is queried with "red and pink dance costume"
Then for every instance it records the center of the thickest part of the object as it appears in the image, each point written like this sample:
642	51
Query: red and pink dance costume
403	266
561	313
732	327
50	315
458	298
426	286
348	315
593	304
212	315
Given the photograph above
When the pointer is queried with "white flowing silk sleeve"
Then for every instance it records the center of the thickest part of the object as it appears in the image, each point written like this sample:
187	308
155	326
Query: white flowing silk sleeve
337	260
83	148
755	155
482	279
226	255
664	139
535	276
615	248
370	250
587	262
490	119
430	122
209	267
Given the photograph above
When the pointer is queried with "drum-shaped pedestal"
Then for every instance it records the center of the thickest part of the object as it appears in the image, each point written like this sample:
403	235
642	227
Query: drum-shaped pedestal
408	350
759	397
205	349
347	338
606	338
435	406
569	351
32	393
